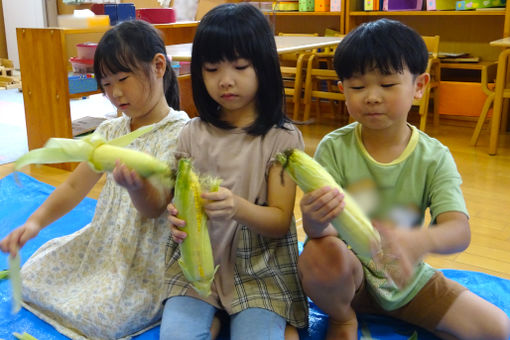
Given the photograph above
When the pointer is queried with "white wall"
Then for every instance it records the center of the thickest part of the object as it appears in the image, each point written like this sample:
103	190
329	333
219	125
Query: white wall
23	13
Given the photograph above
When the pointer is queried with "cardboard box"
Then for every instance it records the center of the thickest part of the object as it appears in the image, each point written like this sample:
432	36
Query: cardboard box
465	5
445	5
461	98
402	5
335	6
306	5
322	5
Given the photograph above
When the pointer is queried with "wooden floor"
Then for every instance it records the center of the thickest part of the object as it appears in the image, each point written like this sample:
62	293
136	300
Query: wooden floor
486	189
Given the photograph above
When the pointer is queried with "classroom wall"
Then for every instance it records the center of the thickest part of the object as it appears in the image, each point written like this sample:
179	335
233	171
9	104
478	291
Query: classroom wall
3	41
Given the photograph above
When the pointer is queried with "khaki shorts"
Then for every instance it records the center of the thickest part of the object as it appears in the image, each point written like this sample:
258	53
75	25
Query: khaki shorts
426	309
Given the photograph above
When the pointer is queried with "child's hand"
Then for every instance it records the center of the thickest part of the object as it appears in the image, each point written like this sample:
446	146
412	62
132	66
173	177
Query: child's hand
18	237
319	208
221	204
127	178
399	254
175	223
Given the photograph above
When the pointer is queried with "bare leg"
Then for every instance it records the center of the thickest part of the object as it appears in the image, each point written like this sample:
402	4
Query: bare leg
472	318
215	327
291	333
330	274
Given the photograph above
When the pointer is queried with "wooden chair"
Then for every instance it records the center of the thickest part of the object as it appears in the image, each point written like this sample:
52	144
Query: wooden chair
433	67
312	90
292	67
488	76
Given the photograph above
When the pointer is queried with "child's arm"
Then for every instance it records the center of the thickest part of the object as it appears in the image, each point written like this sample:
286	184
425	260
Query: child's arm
62	200
151	200
272	220
319	208
404	248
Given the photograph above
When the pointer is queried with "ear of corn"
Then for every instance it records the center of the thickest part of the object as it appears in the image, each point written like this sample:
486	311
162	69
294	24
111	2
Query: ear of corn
15	278
196	262
352	224
100	155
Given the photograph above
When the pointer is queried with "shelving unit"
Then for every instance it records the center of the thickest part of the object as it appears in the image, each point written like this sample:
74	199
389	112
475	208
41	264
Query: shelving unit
306	22
466	31
44	65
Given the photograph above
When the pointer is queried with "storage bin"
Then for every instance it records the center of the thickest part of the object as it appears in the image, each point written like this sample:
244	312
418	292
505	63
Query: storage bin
403	5
286	6
335	6
86	50
321	5
474	4
445	5
306	6
82	65
156	15
82	83
461	98
185	67
117	12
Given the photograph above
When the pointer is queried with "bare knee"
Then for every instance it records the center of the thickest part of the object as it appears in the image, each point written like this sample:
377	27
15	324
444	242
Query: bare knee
325	261
498	328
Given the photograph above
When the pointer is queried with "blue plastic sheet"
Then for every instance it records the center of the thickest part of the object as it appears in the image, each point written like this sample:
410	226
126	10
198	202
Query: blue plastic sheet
20	195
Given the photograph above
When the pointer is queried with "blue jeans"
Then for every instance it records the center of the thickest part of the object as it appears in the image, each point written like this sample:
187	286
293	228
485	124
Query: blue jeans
188	318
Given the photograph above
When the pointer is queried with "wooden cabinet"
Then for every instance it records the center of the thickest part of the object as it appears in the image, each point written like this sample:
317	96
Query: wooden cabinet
44	63
460	31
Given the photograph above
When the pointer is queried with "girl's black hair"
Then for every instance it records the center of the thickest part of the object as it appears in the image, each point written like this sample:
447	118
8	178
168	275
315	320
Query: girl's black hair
229	32
386	45
130	46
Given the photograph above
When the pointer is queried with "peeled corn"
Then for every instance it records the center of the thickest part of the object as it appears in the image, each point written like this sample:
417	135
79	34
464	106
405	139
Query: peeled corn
196	262
100	155
351	224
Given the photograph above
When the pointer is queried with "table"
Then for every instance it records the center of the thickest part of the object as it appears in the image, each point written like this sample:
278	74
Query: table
501	85
284	44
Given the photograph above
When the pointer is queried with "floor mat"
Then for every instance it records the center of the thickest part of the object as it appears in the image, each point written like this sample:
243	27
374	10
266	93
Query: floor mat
20	195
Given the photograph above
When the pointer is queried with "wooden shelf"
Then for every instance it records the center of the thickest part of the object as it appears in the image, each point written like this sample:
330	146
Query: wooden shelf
297	13
428	13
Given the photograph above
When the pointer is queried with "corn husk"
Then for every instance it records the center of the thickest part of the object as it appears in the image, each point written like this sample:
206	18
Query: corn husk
352	224
23	336
196	262
15	278
100	155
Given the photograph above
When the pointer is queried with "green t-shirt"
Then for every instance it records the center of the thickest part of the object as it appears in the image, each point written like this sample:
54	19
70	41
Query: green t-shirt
423	176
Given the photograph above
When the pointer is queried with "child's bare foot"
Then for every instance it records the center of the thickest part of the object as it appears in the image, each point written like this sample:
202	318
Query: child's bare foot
343	330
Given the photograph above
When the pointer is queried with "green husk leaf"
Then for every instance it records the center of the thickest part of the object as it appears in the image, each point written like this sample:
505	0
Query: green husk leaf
100	155
4	274
15	278
24	336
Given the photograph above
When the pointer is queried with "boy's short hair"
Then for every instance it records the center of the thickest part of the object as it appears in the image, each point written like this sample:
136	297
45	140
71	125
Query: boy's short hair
386	45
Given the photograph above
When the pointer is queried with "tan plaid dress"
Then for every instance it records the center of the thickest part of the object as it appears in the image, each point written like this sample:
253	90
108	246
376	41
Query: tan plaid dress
255	271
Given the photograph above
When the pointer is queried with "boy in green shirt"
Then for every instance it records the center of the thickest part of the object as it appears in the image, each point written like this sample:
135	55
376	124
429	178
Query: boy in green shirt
395	172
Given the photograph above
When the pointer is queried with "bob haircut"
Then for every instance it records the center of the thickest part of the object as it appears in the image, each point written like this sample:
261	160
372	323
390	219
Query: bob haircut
229	32
130	47
386	45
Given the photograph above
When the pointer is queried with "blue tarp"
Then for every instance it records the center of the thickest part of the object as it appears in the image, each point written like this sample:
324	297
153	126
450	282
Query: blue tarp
20	195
